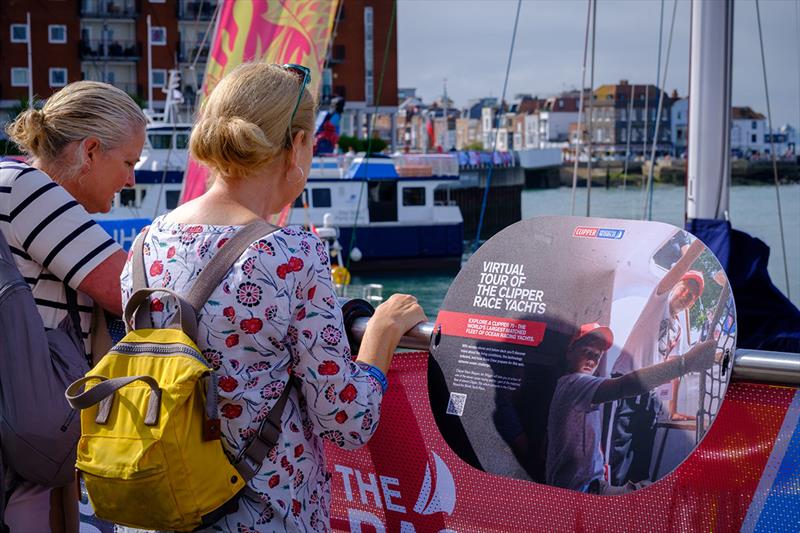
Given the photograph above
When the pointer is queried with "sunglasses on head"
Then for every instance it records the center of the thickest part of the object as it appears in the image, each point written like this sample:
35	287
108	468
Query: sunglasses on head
304	74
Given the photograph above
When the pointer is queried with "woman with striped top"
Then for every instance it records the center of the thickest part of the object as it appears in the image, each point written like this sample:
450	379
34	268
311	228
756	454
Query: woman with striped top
82	146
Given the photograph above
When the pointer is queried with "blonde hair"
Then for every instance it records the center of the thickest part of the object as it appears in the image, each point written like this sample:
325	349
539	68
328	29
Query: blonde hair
80	110
244	123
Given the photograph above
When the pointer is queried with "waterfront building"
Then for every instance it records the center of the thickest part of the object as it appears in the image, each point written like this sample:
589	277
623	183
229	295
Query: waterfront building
609	119
356	65
749	131
680	125
548	126
468	133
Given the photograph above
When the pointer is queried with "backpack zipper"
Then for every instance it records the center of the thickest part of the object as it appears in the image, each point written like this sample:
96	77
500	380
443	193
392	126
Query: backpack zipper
160	349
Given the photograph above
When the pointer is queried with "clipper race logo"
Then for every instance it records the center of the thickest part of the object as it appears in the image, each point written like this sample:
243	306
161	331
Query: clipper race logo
436	495
598	233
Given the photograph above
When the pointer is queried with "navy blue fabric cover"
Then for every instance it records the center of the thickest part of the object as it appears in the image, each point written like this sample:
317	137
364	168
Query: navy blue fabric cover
765	318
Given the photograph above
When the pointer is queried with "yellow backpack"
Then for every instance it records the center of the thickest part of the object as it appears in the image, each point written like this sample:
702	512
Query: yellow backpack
149	451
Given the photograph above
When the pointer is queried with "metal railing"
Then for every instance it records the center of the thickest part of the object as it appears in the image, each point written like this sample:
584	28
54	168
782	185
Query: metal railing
109	49
108	8
748	365
196	10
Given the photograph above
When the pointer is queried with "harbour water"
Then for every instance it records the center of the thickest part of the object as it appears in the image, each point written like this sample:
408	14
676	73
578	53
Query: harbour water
753	210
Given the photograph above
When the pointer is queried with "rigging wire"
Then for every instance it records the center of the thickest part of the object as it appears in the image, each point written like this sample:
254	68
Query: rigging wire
628	139
497	131
648	205
590	128
369	130
658	81
772	152
579	140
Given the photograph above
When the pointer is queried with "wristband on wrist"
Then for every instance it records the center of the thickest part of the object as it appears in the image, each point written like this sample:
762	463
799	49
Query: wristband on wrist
376	373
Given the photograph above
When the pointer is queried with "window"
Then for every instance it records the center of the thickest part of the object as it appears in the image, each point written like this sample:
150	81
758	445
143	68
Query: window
57	33
158	35
321	197
181	141
338	52
753	138
19	33
160	141
159	77
127	197
754	125
19	77
298	202
414	196
172	199
58	77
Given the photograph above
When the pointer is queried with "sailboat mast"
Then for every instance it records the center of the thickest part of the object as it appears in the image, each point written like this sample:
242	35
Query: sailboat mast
708	172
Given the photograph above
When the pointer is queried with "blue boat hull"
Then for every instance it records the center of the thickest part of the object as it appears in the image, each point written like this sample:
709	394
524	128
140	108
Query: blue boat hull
401	247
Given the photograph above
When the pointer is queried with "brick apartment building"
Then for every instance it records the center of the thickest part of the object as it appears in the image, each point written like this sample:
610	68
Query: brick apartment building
106	40
356	64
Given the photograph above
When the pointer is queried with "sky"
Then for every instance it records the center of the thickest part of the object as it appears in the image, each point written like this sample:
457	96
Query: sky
467	42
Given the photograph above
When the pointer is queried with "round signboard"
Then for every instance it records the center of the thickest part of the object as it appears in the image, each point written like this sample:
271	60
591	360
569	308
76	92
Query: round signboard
589	354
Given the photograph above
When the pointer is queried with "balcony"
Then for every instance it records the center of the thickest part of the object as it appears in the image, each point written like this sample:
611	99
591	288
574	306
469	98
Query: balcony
188	50
108	8
196	10
112	50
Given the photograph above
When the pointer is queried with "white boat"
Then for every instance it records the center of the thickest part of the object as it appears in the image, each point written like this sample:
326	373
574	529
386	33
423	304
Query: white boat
391	212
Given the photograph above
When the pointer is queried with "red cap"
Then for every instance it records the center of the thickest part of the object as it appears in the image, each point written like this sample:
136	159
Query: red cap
603	333
697	277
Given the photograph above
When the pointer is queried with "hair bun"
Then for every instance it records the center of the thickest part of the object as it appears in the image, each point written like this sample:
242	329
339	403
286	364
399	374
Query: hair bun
232	146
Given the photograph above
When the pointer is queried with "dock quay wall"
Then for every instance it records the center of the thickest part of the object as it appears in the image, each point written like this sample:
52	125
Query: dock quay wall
503	206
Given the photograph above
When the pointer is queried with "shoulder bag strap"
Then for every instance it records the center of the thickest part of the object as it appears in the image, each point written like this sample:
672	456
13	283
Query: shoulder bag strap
216	269
138	268
250	459
139	278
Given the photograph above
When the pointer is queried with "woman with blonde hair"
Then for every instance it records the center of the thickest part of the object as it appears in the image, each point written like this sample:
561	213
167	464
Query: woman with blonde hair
81	147
275	313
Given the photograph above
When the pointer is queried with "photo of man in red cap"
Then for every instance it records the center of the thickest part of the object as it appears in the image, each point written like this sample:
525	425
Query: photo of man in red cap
574	455
654	338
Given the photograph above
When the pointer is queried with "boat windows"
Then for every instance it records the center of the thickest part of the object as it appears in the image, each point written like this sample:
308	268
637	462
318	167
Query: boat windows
160	141
413	196
172	198
382	201
181	141
321	197
298	202
127	197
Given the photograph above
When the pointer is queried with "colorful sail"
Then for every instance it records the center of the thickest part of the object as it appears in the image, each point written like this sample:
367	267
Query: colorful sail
272	31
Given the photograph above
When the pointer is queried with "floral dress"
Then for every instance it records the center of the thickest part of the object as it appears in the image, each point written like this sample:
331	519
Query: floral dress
273	315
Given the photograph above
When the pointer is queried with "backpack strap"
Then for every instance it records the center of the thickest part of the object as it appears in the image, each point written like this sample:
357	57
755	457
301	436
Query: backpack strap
138	268
249	460
216	269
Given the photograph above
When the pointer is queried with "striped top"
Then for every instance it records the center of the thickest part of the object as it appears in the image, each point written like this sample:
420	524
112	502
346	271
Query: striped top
53	240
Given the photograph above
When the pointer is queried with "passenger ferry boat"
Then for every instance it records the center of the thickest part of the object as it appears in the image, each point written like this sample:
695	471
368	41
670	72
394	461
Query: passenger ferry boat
391	212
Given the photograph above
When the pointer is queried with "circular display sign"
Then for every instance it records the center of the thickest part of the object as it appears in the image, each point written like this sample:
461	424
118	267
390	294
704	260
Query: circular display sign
589	354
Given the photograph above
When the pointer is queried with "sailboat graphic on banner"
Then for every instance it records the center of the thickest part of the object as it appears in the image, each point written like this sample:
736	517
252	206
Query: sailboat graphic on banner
437	494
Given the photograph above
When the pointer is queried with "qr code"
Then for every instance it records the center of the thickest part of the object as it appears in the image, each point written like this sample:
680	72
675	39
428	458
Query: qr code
456	404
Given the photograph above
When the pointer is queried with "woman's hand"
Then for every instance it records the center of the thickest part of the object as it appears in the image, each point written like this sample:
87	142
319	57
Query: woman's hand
391	320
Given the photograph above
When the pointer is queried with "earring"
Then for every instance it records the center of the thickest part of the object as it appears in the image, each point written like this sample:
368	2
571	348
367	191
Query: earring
302	176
